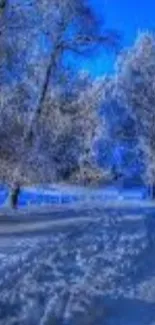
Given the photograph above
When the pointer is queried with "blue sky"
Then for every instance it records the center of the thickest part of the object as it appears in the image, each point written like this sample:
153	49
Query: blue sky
128	17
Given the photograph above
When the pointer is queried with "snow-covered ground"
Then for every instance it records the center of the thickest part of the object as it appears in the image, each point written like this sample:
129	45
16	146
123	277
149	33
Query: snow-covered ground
100	271
57	194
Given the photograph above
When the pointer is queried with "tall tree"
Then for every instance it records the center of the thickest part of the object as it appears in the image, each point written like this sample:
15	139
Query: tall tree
117	148
135	88
75	31
37	37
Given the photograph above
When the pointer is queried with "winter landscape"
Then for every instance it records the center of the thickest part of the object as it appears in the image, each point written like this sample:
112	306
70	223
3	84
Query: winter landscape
77	162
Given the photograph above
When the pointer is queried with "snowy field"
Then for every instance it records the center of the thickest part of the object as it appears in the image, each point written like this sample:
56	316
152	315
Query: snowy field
97	271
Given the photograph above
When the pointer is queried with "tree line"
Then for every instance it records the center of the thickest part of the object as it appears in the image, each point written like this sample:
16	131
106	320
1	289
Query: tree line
50	118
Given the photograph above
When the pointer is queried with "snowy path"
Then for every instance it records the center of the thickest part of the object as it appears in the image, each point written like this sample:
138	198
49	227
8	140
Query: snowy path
41	226
99	270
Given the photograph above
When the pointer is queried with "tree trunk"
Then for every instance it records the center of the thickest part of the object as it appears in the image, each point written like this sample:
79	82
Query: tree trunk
14	196
53	61
152	191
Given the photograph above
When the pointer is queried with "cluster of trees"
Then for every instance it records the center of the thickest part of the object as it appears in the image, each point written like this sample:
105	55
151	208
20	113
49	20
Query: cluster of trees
48	109
132	88
50	119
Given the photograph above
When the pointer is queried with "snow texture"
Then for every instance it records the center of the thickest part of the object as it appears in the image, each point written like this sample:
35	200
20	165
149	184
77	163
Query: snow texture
88	273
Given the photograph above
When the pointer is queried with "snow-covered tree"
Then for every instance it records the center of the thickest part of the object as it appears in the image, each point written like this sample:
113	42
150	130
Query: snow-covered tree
46	138
135	89
66	132
64	136
117	147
